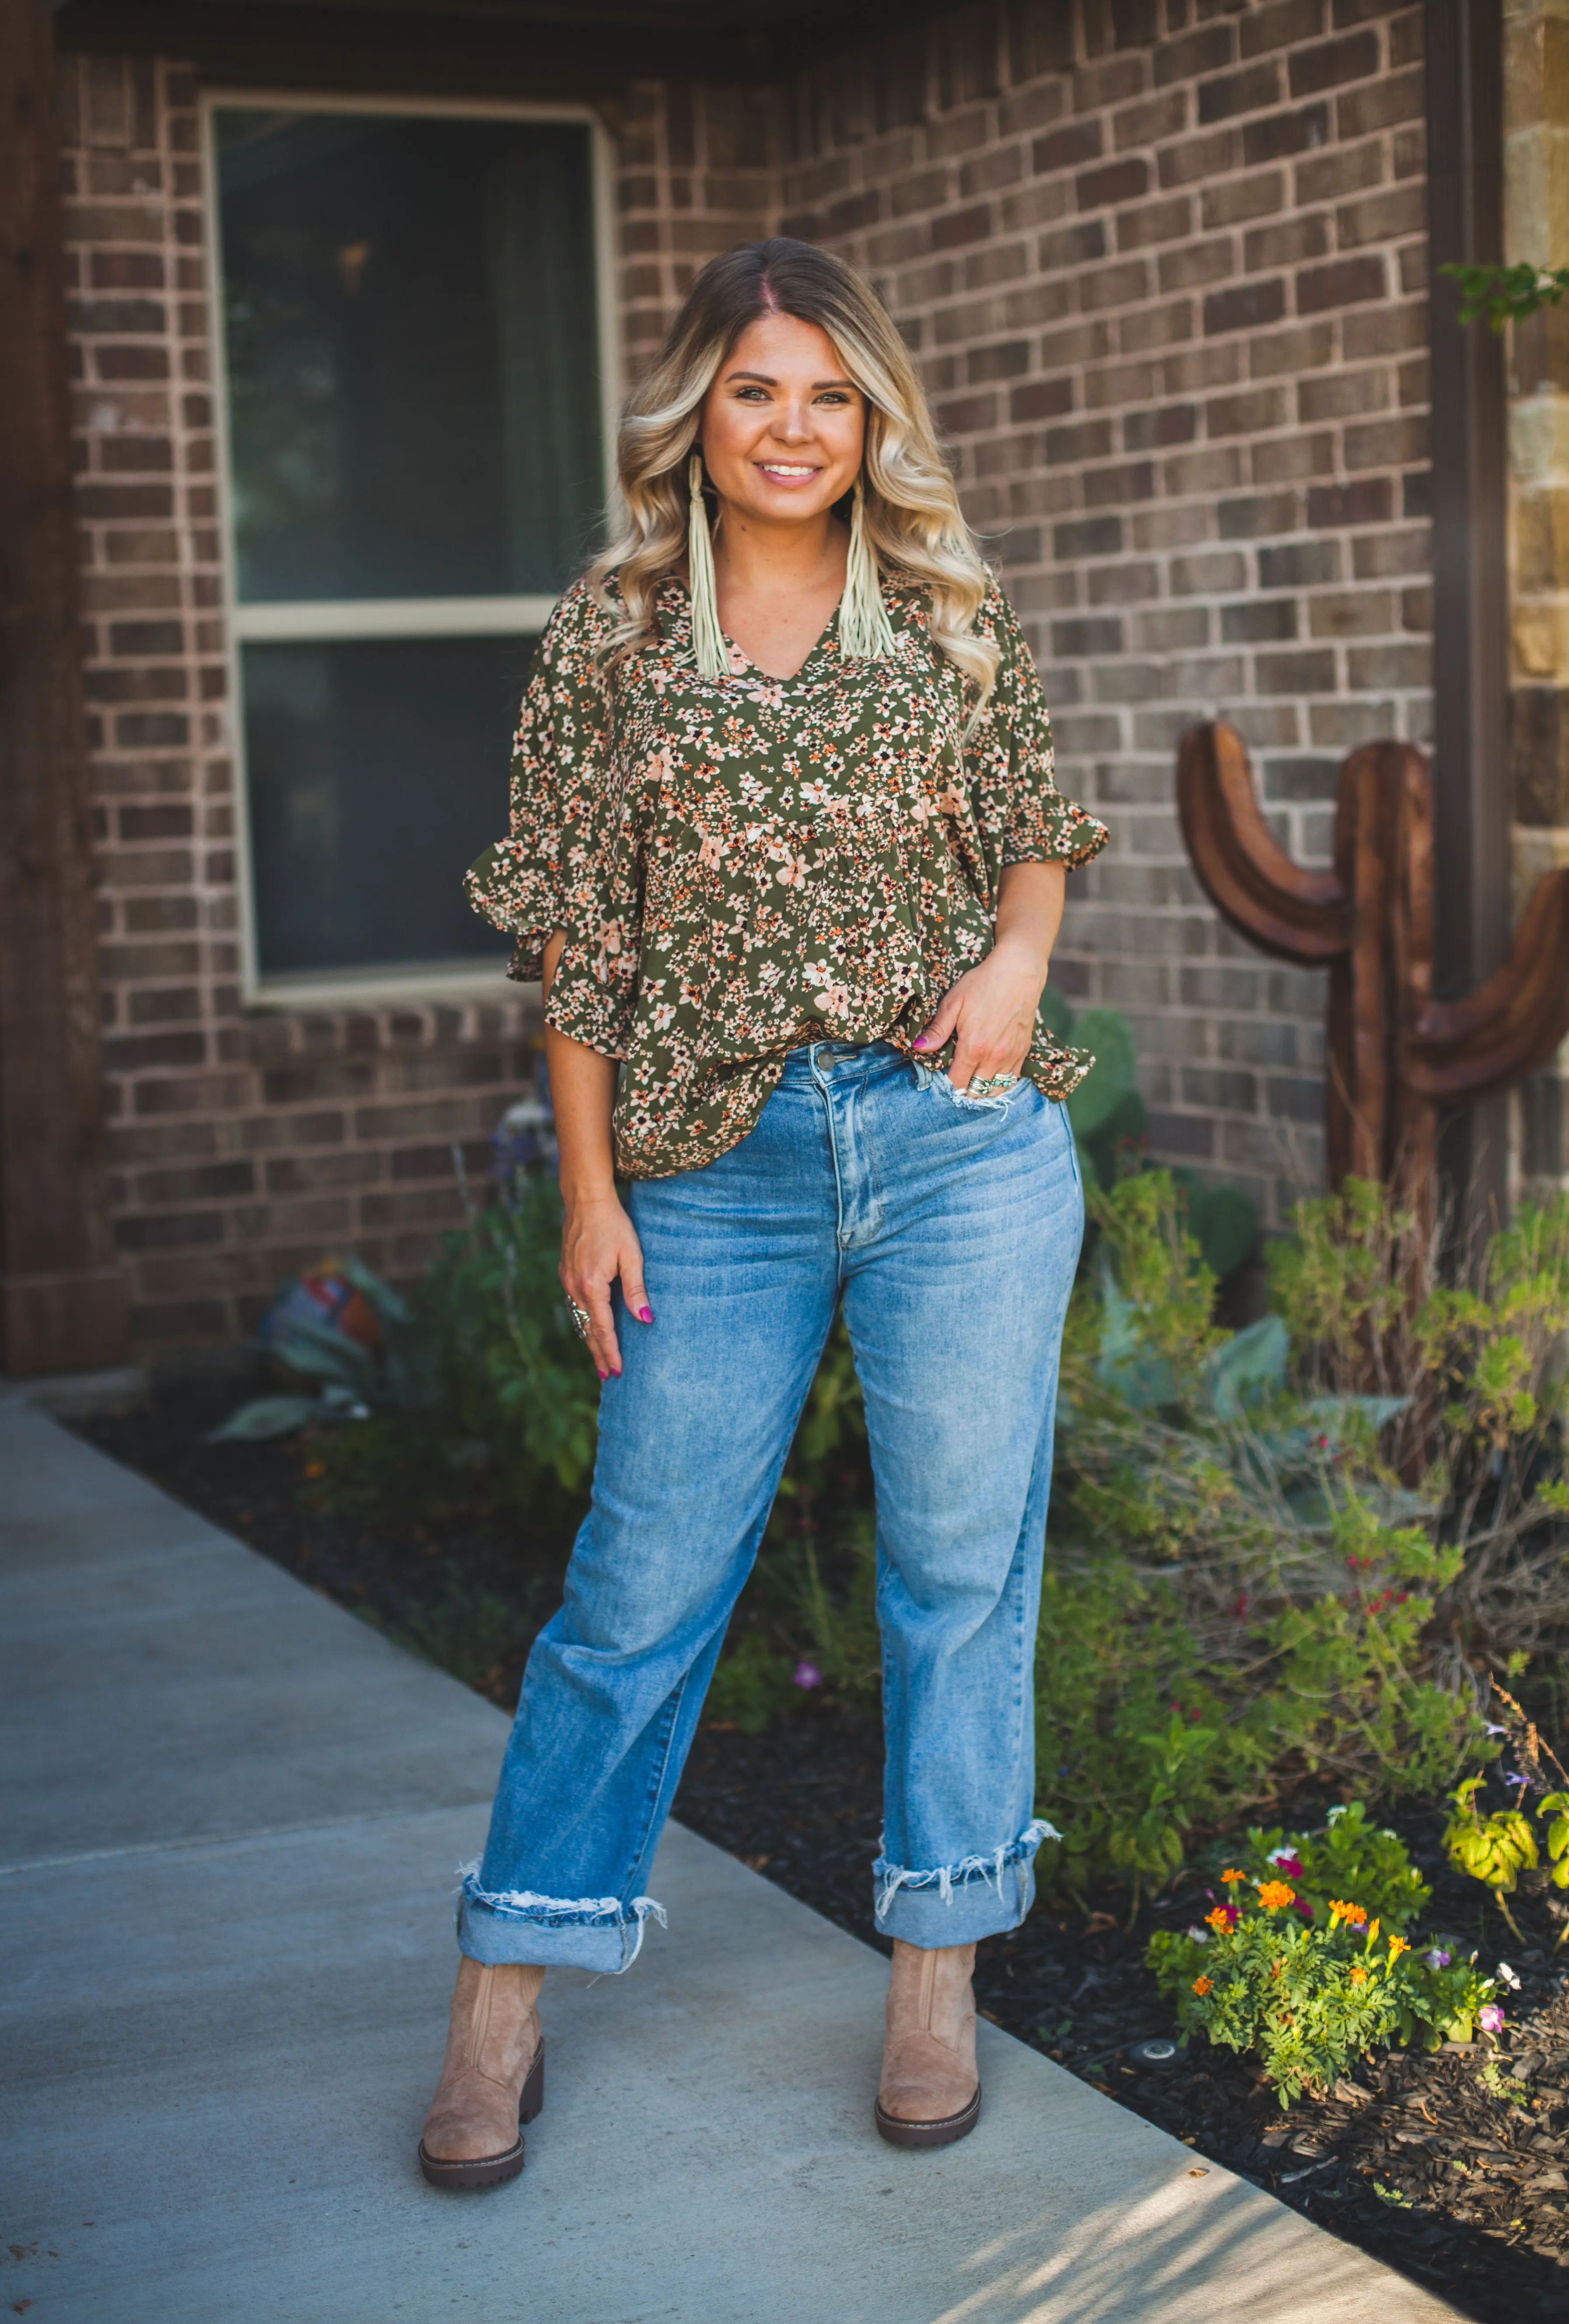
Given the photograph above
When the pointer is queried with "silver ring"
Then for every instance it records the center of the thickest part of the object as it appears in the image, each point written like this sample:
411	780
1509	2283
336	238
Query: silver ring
992	1081
580	1317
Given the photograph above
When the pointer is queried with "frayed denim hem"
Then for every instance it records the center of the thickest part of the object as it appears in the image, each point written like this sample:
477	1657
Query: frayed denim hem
999	1102
592	1932
947	1877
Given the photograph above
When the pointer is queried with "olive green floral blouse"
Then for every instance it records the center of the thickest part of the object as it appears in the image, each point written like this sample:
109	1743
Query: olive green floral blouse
748	863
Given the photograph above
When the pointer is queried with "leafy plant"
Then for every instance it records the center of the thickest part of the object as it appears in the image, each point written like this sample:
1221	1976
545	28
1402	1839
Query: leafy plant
1494	1849
1312	1986
1499	295
1350	1857
752	1685
387	1371
1109	1123
1230	1605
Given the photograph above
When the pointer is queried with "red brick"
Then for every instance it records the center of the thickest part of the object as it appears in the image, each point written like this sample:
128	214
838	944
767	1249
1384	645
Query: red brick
1041	399
1355	58
1118	181
962	226
1248	91
1066	148
1245	308
1349	282
1367	502
1283	134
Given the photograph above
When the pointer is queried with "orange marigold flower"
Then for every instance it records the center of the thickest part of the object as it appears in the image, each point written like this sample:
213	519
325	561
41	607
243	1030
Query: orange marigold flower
1203	1984
1353	1914
1220	1920
1274	1893
1359	1975
1397	1946
1233	1876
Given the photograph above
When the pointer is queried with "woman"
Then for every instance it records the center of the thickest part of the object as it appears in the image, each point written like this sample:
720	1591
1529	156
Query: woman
787	852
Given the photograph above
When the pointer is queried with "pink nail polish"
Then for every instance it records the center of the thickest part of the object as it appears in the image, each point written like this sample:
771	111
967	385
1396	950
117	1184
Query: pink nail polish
602	1375
645	1315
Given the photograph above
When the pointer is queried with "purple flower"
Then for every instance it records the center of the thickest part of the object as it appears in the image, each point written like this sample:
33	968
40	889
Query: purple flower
1490	2017
807	1675
1516	1779
1438	1959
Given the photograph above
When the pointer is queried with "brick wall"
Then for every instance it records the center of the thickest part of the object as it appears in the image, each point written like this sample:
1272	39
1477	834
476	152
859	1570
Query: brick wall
698	172
1163	268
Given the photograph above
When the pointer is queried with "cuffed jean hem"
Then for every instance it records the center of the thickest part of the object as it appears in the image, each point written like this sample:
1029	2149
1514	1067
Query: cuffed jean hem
591	1932
959	1904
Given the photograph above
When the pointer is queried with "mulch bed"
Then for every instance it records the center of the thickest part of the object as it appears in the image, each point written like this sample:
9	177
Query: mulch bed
1452	2168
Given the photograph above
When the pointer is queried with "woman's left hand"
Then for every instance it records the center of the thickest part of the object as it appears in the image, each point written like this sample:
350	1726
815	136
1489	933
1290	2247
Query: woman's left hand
993	1006
992	1009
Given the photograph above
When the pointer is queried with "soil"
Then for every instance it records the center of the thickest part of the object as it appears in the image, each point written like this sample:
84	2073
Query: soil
1452	2168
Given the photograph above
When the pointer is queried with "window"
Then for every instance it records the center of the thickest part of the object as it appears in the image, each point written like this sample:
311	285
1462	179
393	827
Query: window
416	369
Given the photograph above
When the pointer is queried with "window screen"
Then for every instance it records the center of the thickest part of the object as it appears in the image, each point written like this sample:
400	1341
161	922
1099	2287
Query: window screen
415	470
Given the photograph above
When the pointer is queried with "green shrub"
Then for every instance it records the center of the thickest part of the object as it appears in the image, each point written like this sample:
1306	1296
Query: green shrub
753	1686
1350	1857
1230	1605
1311	1976
1308	1999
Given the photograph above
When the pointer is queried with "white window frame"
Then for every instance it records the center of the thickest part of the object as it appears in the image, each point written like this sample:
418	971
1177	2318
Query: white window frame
383	617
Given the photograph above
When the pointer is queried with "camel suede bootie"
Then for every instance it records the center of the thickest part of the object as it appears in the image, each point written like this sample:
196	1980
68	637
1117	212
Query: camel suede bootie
930	2094
492	2078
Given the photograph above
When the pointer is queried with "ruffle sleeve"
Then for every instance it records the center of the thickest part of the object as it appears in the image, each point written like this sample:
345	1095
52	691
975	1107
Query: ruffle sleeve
1008	761
561	757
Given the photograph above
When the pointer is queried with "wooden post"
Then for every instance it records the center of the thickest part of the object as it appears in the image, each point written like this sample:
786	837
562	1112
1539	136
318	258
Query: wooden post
1471	839
63	1301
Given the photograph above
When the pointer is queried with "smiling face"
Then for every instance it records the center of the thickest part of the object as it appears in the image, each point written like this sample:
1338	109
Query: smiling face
783	427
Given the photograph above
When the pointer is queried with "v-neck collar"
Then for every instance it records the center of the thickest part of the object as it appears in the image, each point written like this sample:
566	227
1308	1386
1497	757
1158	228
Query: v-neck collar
824	646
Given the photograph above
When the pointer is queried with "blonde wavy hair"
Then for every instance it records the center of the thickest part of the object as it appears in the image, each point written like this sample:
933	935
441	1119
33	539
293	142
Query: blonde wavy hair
912	516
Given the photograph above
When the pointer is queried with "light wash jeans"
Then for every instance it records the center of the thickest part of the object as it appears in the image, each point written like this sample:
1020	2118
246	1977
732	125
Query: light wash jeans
951	1230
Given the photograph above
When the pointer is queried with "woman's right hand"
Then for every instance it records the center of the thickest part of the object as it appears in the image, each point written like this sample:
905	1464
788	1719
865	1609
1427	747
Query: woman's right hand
598	1243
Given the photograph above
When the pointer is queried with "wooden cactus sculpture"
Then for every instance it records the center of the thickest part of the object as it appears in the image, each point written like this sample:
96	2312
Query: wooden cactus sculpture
1394	1054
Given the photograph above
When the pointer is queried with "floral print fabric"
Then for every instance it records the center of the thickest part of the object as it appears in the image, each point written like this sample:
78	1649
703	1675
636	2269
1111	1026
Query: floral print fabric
744	864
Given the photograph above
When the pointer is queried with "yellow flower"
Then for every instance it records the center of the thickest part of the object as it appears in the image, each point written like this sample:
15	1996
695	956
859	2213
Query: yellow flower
1233	1876
1397	1946
1203	1984
1274	1893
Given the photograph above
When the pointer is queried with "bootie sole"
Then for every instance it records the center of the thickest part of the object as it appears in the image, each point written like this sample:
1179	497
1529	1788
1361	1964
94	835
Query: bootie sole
899	2132
492	2170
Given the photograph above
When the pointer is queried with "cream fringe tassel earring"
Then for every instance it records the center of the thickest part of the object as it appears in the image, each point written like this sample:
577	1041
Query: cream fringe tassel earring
708	647
865	632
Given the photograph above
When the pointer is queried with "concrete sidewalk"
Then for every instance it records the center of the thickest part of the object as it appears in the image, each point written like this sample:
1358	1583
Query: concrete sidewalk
230	1817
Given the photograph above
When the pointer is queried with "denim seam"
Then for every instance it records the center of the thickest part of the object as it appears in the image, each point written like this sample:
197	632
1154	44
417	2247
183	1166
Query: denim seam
946	1877
672	1707
1073	1144
873	1176
820	1081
